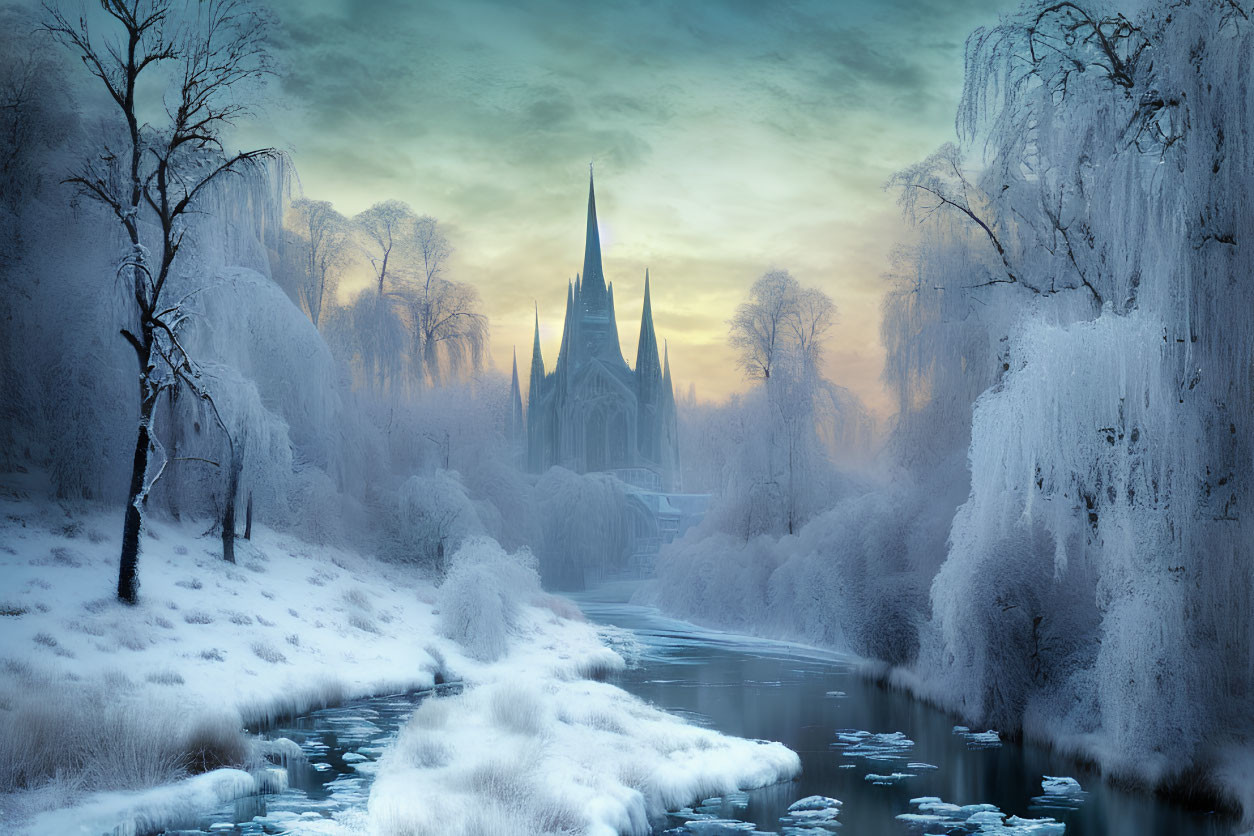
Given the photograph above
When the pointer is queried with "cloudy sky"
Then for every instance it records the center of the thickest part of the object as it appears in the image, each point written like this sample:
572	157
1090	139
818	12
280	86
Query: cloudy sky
729	136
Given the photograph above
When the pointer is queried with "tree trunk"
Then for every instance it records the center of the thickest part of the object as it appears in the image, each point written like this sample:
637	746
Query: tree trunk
128	566
176	444
232	493
248	518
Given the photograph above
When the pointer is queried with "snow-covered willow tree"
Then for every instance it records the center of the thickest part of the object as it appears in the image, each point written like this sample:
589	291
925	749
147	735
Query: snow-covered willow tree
414	325
1093	235
781	478
191	63
320	239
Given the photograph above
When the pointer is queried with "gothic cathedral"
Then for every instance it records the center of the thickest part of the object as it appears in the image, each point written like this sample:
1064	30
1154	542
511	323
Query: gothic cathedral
592	412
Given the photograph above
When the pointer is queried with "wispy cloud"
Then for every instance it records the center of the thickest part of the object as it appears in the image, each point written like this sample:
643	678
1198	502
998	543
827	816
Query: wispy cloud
730	136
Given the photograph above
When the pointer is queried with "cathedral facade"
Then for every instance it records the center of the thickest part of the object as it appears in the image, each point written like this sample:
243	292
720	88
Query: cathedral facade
592	412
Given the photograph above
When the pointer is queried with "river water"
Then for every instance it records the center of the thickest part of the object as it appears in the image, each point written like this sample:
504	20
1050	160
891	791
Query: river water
843	727
816	704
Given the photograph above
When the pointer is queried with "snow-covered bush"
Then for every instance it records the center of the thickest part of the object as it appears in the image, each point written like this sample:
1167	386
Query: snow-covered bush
101	735
1072	322
432	518
568	756
584	521
482	596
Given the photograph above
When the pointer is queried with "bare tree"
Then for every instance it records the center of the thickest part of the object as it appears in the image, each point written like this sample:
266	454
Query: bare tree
779	335
813	316
449	331
761	326
388	228
158	173
323	242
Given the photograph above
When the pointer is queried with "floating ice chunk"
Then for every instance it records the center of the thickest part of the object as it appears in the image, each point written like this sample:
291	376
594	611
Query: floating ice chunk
837	694
1060	786
1059	794
986	819
813	802
1016	826
813	811
353	757
979	740
886	746
888	780
716	827
918	765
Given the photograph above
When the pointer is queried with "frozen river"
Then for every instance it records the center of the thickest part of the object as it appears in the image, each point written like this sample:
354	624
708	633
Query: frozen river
843	727
846	728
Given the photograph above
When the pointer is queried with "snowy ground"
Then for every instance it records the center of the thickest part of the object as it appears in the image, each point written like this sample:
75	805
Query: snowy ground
98	699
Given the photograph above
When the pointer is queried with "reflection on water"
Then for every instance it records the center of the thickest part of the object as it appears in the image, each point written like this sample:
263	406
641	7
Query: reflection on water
846	729
328	787
894	765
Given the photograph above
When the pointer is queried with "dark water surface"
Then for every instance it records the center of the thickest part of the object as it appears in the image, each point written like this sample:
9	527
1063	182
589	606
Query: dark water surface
809	700
802	698
330	782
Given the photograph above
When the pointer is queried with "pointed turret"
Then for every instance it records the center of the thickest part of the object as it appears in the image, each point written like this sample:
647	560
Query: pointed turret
593	278
537	368
538	456
671	476
614	350
563	353
668	394
647	368
514	430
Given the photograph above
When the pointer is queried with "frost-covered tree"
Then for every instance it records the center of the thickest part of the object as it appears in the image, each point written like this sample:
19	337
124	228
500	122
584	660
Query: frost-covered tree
449	331
414	319
1092	256
200	59
763	325
321	239
778	334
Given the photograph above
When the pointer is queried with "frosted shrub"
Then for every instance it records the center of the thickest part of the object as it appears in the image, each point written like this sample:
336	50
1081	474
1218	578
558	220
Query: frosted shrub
584	520
97	736
480	600
433	517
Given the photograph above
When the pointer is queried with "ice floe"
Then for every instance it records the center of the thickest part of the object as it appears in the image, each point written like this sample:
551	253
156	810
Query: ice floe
883	747
1060	794
979	740
888	780
813	814
985	819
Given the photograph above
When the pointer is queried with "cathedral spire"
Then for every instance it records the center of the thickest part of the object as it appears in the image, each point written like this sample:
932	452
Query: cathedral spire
593	277
646	350
537	365
514	428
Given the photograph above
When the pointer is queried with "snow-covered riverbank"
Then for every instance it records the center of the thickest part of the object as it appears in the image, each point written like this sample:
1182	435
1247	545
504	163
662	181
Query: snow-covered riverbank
105	709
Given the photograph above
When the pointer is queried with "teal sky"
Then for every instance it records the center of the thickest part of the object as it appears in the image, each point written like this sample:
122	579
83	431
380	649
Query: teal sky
730	137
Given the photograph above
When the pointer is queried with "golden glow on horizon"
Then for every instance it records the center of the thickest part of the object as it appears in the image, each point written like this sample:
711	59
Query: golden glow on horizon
729	140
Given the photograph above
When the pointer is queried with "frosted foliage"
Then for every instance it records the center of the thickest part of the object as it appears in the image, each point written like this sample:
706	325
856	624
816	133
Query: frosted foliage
481	600
584	520
1131	200
433	517
1049	528
848	579
1069	344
